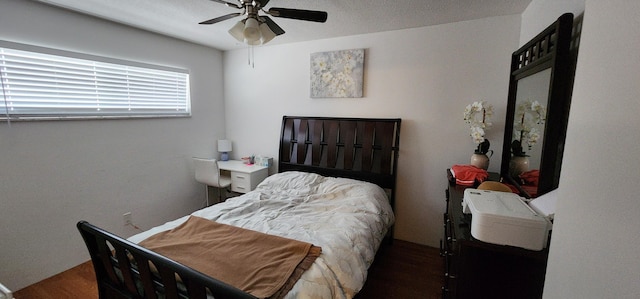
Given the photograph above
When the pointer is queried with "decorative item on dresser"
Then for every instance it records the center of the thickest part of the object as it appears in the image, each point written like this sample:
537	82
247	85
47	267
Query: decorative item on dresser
529	118
478	115
518	165
481	157
476	269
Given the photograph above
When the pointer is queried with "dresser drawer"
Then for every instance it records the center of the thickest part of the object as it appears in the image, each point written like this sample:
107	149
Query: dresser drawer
475	269
240	182
448	251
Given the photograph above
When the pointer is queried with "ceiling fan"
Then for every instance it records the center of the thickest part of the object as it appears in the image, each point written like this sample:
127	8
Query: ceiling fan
259	29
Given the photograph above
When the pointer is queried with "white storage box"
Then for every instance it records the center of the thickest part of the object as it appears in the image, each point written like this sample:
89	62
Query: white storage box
506	219
263	161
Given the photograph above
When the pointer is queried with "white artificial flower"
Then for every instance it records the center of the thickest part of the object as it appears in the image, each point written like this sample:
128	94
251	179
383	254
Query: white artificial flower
534	136
478	115
529	115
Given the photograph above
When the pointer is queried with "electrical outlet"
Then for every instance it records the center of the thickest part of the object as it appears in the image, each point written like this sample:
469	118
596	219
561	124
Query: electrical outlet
127	218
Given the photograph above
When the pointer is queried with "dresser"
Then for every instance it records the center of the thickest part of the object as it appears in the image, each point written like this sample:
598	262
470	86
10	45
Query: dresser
244	177
475	269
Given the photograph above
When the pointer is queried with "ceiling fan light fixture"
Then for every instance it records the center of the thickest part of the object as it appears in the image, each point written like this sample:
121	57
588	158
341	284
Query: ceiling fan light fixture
254	43
258	29
267	33
237	31
251	30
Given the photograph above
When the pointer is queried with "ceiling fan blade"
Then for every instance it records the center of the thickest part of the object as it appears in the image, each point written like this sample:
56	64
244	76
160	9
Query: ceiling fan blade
228	3
263	3
299	14
273	26
220	19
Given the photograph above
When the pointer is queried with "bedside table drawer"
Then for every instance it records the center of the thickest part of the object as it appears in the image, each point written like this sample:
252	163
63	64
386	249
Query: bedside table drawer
244	178
240	182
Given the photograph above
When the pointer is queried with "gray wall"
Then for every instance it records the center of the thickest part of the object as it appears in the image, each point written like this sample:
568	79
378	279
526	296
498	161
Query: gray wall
54	173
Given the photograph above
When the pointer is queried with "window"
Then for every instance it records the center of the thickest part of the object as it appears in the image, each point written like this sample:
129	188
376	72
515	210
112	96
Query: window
40	83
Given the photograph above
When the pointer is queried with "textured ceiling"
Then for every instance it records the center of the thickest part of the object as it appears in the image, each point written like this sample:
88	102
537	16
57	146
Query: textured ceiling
179	18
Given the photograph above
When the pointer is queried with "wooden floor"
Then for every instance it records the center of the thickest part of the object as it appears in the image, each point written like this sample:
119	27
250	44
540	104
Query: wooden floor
78	282
405	270
401	270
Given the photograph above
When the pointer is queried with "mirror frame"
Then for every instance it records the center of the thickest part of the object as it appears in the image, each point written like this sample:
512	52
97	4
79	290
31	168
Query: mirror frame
549	49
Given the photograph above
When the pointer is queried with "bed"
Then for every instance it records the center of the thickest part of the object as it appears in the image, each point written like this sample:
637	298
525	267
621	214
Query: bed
334	190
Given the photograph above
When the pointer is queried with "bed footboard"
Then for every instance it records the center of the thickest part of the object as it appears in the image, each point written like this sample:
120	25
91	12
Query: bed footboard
125	270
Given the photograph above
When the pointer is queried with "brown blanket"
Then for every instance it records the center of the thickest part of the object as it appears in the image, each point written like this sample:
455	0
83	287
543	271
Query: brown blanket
263	265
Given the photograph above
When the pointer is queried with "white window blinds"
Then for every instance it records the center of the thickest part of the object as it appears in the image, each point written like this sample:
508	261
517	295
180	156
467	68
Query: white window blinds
37	85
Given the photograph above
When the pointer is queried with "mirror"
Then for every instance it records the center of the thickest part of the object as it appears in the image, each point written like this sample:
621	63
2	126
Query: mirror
528	125
537	110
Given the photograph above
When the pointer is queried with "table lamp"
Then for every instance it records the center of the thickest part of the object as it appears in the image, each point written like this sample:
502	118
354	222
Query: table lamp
224	147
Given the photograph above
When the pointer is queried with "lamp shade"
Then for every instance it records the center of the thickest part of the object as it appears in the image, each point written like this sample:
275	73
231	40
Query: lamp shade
251	30
254	43
237	31
266	32
224	146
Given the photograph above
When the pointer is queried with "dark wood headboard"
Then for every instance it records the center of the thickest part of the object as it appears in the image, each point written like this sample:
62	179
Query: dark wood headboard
365	149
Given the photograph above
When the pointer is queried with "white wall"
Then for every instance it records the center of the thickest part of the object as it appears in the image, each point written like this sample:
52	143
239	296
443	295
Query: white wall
54	173
541	13
594	249
426	76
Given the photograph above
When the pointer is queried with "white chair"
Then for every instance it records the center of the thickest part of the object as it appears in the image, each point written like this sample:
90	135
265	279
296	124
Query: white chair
208	173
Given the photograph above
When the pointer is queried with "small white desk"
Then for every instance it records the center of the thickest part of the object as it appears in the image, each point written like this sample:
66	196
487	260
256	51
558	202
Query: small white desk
244	178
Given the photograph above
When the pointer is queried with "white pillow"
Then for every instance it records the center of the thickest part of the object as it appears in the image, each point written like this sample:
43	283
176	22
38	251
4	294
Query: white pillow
291	182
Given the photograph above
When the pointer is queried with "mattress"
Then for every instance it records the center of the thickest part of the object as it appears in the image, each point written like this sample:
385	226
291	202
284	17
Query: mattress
347	218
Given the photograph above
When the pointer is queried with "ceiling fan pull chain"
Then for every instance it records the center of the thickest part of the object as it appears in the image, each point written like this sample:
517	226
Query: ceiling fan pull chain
251	56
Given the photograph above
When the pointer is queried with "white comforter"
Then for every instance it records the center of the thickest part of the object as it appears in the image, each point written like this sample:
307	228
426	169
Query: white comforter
347	218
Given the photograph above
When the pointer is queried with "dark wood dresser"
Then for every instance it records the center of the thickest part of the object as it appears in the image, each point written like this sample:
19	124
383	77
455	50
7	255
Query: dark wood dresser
478	270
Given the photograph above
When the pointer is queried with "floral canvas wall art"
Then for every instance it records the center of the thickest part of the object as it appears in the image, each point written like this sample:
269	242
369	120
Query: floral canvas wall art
337	74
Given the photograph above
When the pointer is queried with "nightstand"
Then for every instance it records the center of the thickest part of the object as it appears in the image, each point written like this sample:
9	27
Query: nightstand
244	177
